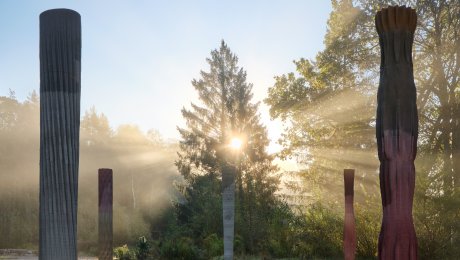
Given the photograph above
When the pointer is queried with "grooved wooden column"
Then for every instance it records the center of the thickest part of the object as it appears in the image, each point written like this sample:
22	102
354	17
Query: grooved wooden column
228	208
60	54
397	132
105	214
349	231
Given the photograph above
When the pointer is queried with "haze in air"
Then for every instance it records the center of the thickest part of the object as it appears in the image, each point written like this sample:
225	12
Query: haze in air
178	96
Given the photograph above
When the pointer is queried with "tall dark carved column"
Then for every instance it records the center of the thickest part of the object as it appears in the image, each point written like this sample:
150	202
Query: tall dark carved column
397	132
60	52
105	214
349	232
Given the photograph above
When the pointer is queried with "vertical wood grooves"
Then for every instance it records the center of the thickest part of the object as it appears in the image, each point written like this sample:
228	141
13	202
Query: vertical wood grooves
228	208
397	132
349	231
105	204
60	55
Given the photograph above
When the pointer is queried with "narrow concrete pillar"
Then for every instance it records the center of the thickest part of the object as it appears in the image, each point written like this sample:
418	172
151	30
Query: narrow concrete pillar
397	132
60	55
349	231
105	214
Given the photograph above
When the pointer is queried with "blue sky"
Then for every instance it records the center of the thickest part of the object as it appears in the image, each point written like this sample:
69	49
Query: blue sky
139	57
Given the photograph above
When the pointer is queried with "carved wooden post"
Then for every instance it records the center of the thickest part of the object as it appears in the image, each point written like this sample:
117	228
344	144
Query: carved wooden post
397	132
349	231
228	208
105	214
60	52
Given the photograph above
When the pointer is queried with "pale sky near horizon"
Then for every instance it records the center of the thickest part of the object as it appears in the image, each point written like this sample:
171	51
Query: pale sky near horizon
139	57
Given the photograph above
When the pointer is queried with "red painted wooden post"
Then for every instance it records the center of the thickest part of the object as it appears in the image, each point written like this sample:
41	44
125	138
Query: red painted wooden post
105	214
397	132
349	231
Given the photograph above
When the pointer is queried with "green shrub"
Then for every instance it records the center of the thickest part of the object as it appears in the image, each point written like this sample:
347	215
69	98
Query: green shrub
238	245
123	253
180	248
143	249
319	233
213	245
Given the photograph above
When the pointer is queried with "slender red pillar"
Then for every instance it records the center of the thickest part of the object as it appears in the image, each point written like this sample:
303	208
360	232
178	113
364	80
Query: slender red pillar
397	132
349	231
105	214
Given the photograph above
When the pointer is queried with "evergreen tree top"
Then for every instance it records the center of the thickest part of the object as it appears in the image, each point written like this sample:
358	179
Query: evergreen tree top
225	111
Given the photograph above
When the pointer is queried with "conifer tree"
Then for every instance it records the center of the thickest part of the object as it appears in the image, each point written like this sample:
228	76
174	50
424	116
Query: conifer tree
225	111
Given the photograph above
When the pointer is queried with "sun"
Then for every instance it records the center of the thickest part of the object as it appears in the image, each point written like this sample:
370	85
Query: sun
236	143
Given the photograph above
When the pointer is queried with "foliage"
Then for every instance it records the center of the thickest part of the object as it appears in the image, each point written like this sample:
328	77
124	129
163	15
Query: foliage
181	248
214	245
18	152
123	253
143	249
319	233
328	107
138	160
225	111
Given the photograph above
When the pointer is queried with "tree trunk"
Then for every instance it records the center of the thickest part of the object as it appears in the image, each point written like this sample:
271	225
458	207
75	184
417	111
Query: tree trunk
349	232
397	132
60	54
105	214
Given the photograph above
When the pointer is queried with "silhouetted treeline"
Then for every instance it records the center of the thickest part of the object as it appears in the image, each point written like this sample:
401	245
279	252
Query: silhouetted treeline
143	166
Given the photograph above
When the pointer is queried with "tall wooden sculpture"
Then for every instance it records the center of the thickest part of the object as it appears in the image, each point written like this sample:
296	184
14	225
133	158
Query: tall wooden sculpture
397	131
349	231
228	208
60	52
105	214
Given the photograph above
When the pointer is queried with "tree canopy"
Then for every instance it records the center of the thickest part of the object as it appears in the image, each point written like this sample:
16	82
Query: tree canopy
138	161
328	106
225	111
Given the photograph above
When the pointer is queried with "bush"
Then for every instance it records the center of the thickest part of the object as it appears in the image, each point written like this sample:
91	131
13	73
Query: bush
143	249
319	233
214	245
123	253
238	245
180	248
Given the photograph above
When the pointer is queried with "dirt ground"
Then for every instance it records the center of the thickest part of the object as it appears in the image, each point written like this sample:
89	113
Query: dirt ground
24	254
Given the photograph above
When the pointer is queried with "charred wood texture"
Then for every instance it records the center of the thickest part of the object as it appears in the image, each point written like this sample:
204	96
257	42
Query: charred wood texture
105	214
349	232
397	132
60	55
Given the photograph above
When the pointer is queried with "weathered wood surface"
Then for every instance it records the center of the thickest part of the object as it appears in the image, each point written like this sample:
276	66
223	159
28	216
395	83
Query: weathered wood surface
105	214
397	132
349	230
60	55
228	208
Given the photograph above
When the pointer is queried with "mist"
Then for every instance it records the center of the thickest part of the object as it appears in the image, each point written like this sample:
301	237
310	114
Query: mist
143	176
